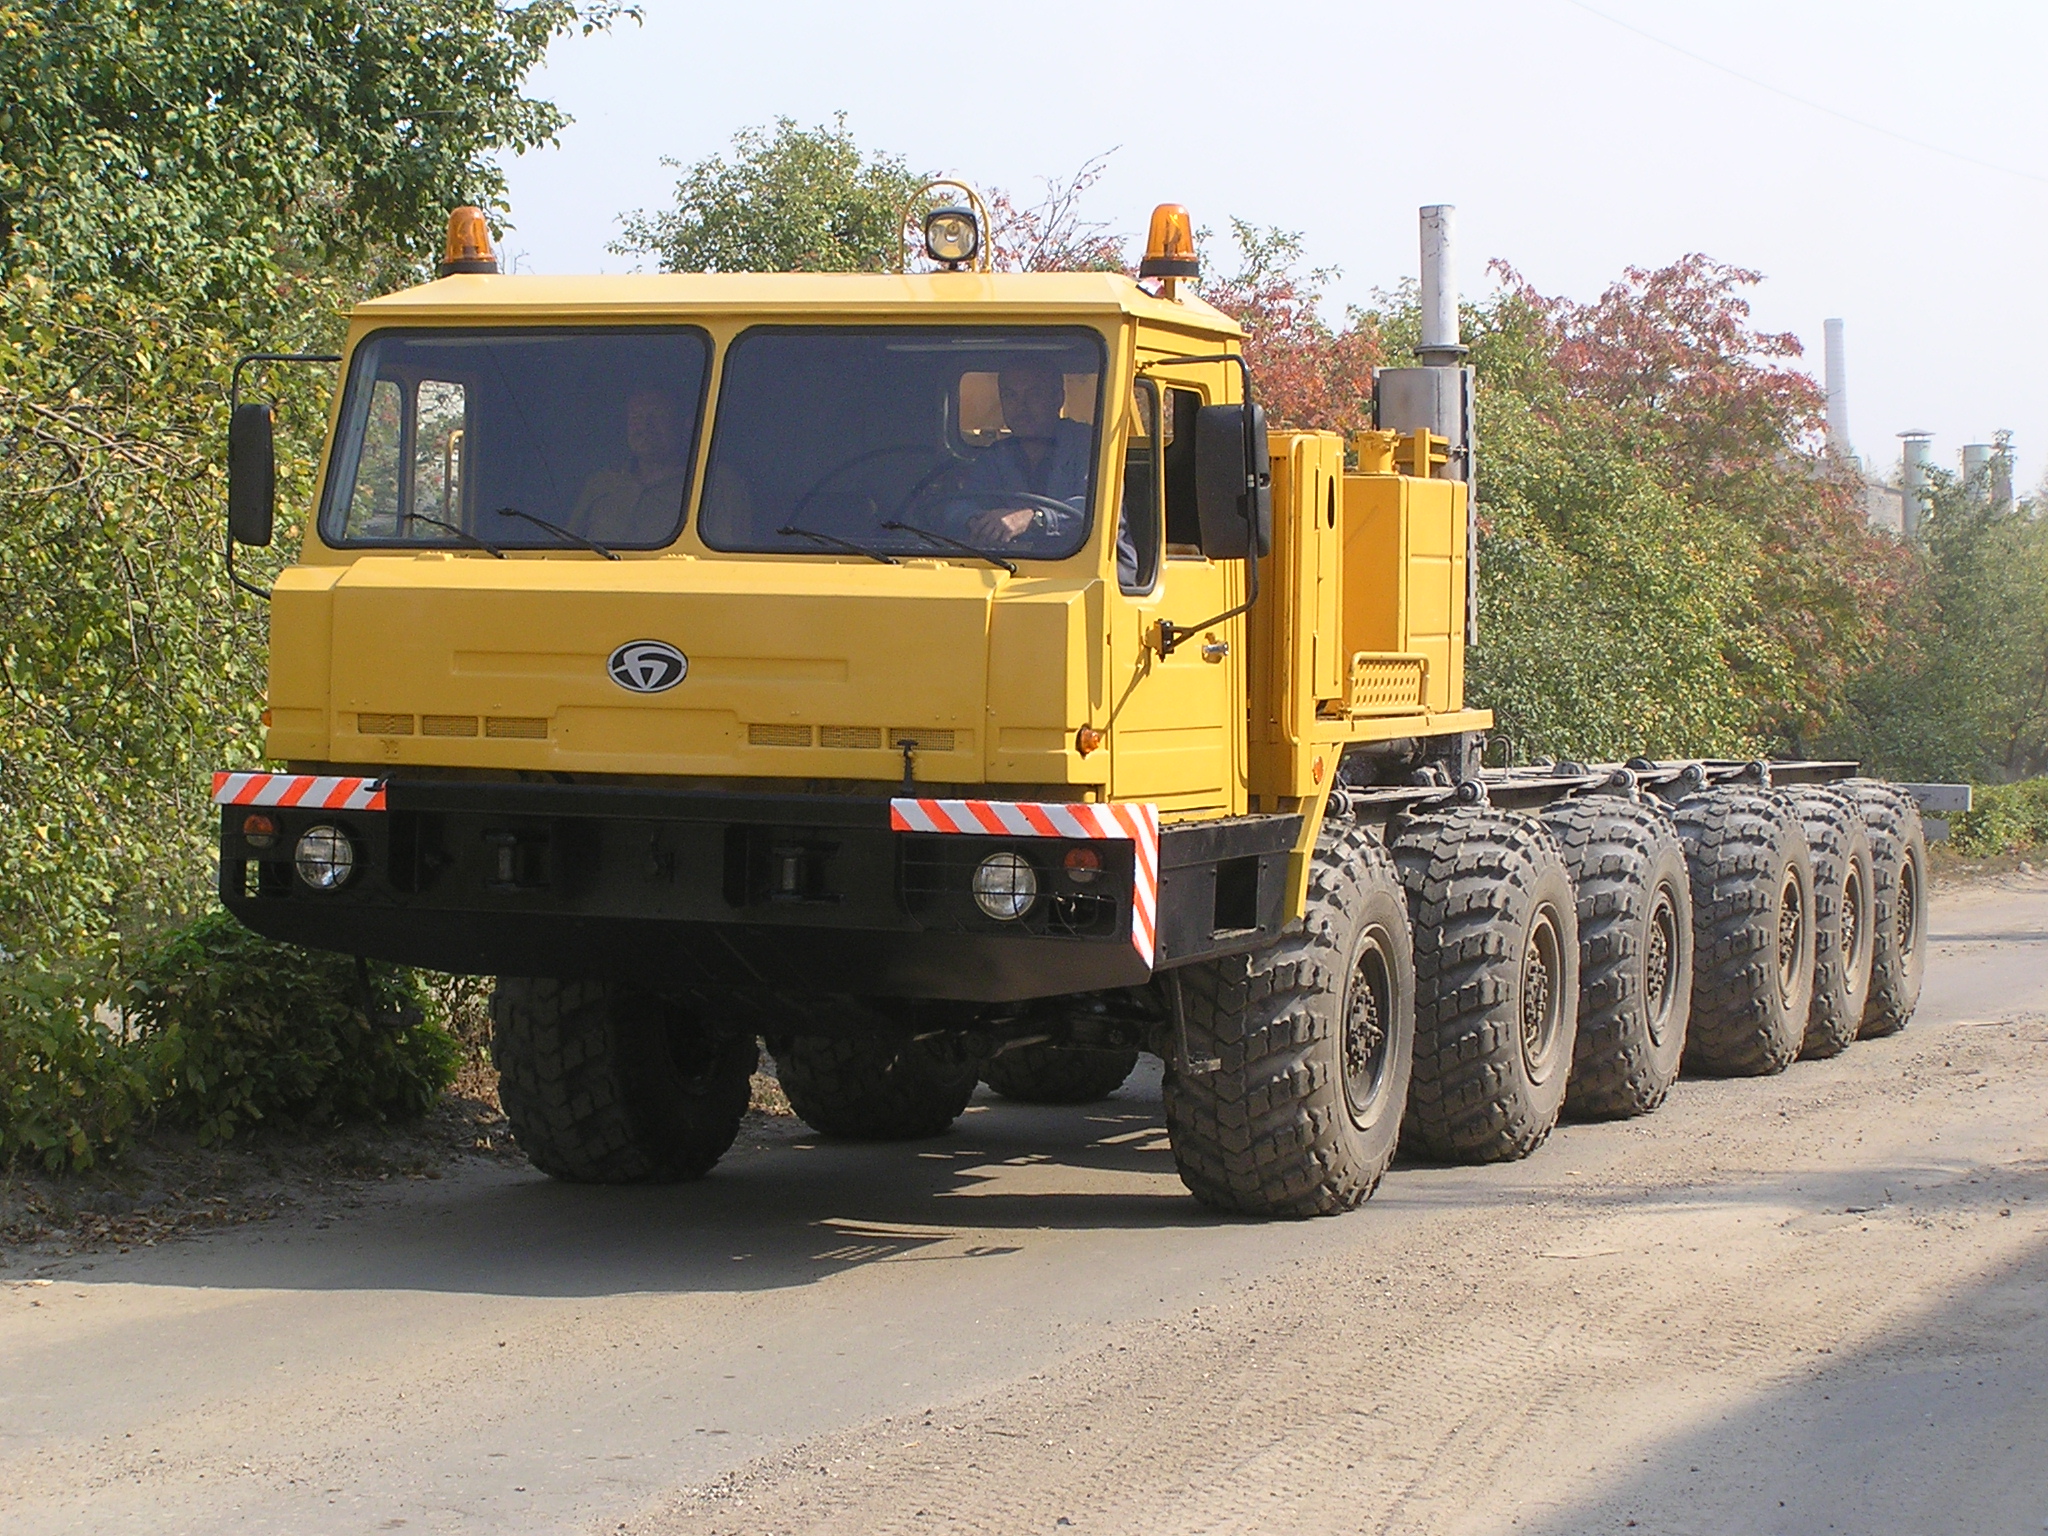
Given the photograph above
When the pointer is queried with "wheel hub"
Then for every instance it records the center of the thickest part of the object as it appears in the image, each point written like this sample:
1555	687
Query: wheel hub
1365	1033
1852	923
1791	937
1909	901
1541	964
1657	957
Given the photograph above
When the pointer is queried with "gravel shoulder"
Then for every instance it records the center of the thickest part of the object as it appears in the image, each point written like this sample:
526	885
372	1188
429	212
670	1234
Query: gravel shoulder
1796	1304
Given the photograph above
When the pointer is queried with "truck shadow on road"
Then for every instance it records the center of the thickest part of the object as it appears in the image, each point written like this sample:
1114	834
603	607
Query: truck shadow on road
783	1209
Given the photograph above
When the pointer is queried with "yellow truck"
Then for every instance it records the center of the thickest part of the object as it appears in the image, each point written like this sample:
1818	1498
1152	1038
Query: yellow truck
950	676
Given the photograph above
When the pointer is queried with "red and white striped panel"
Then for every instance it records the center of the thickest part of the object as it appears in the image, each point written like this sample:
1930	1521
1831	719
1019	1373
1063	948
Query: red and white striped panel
1139	824
310	790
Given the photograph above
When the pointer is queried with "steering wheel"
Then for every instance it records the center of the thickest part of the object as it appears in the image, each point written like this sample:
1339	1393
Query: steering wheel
1015	499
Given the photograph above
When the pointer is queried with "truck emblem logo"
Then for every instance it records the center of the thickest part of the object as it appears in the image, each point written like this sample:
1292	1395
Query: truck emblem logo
648	666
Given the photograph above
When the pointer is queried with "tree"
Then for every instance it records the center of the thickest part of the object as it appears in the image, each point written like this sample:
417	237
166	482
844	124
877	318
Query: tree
796	200
1309	374
1962	689
1054	234
203	148
1667	361
180	180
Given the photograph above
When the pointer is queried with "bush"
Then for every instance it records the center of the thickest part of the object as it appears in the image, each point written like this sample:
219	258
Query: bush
238	1029
2004	818
71	1086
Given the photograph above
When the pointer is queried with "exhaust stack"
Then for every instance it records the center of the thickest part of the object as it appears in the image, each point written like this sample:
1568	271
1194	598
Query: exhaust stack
1440	345
1438	395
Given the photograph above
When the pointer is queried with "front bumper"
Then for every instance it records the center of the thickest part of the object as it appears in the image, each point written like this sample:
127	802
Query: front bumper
683	888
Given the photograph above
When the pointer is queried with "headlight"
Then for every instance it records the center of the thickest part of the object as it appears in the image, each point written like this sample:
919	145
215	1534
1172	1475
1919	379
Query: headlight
1005	885
325	857
951	235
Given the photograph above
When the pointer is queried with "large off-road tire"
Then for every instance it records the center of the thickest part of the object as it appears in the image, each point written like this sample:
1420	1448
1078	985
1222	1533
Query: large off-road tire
1052	1074
1311	1040
609	1086
1752	919
1635	953
1496	979
1842	917
1898	878
873	1086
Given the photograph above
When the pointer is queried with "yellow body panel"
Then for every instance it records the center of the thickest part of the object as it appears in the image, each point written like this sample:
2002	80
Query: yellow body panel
1404	576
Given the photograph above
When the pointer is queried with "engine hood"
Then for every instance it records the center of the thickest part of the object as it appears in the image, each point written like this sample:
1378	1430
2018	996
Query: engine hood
680	667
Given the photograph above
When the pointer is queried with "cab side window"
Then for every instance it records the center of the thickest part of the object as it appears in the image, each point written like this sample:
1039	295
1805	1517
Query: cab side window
1183	523
1137	529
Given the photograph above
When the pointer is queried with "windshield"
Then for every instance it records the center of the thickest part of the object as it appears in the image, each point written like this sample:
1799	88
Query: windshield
901	441
486	438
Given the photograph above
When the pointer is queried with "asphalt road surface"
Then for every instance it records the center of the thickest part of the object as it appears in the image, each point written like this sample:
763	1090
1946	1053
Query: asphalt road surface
1808	1303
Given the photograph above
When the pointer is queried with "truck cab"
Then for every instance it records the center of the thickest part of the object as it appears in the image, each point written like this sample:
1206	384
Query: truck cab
670	613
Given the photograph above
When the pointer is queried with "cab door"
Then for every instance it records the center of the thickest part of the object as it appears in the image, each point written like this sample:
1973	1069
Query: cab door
1177	720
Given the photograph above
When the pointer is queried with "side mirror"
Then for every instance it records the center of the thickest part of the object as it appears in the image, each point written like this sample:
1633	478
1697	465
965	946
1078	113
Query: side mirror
252	475
1234	525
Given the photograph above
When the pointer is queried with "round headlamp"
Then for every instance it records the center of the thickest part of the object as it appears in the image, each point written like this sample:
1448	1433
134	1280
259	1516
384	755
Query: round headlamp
951	237
325	857
1005	885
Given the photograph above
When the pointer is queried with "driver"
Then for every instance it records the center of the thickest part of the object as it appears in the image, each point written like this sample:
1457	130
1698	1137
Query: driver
1043	454
641	501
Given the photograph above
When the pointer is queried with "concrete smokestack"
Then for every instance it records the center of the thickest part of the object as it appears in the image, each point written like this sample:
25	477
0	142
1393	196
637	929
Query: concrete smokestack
1913	481
1977	470
1440	346
2001	470
1838	393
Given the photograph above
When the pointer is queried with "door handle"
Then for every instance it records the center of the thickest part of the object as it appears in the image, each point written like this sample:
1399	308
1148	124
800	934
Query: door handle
1215	650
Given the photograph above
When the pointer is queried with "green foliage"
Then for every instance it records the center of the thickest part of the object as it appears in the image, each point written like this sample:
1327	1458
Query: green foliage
180	181
1610	607
799	200
241	1029
2003	818
1962	692
198	147
72	1087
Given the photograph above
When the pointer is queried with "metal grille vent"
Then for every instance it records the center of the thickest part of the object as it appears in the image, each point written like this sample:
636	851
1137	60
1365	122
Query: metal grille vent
927	740
516	727
384	725
858	737
447	725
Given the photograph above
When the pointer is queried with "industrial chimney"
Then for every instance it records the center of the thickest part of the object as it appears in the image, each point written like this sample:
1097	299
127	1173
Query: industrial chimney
1977	470
1913	482
1838	394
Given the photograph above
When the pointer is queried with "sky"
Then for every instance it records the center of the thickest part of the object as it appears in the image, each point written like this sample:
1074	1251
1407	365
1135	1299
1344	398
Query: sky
1881	162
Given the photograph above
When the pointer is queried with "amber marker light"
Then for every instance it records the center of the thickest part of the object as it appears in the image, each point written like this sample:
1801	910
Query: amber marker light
469	243
1087	739
1170	247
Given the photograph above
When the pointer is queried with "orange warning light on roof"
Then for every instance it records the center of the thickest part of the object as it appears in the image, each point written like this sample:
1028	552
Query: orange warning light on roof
1170	247
469	243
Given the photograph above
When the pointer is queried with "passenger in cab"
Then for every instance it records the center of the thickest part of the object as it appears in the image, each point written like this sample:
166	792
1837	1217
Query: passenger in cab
640	501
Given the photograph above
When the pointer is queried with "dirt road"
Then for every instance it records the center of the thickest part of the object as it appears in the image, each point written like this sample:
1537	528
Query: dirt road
1815	1302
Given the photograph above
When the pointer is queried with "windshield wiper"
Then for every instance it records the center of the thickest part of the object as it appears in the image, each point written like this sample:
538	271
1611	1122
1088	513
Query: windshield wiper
791	531
558	531
461	533
947	541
